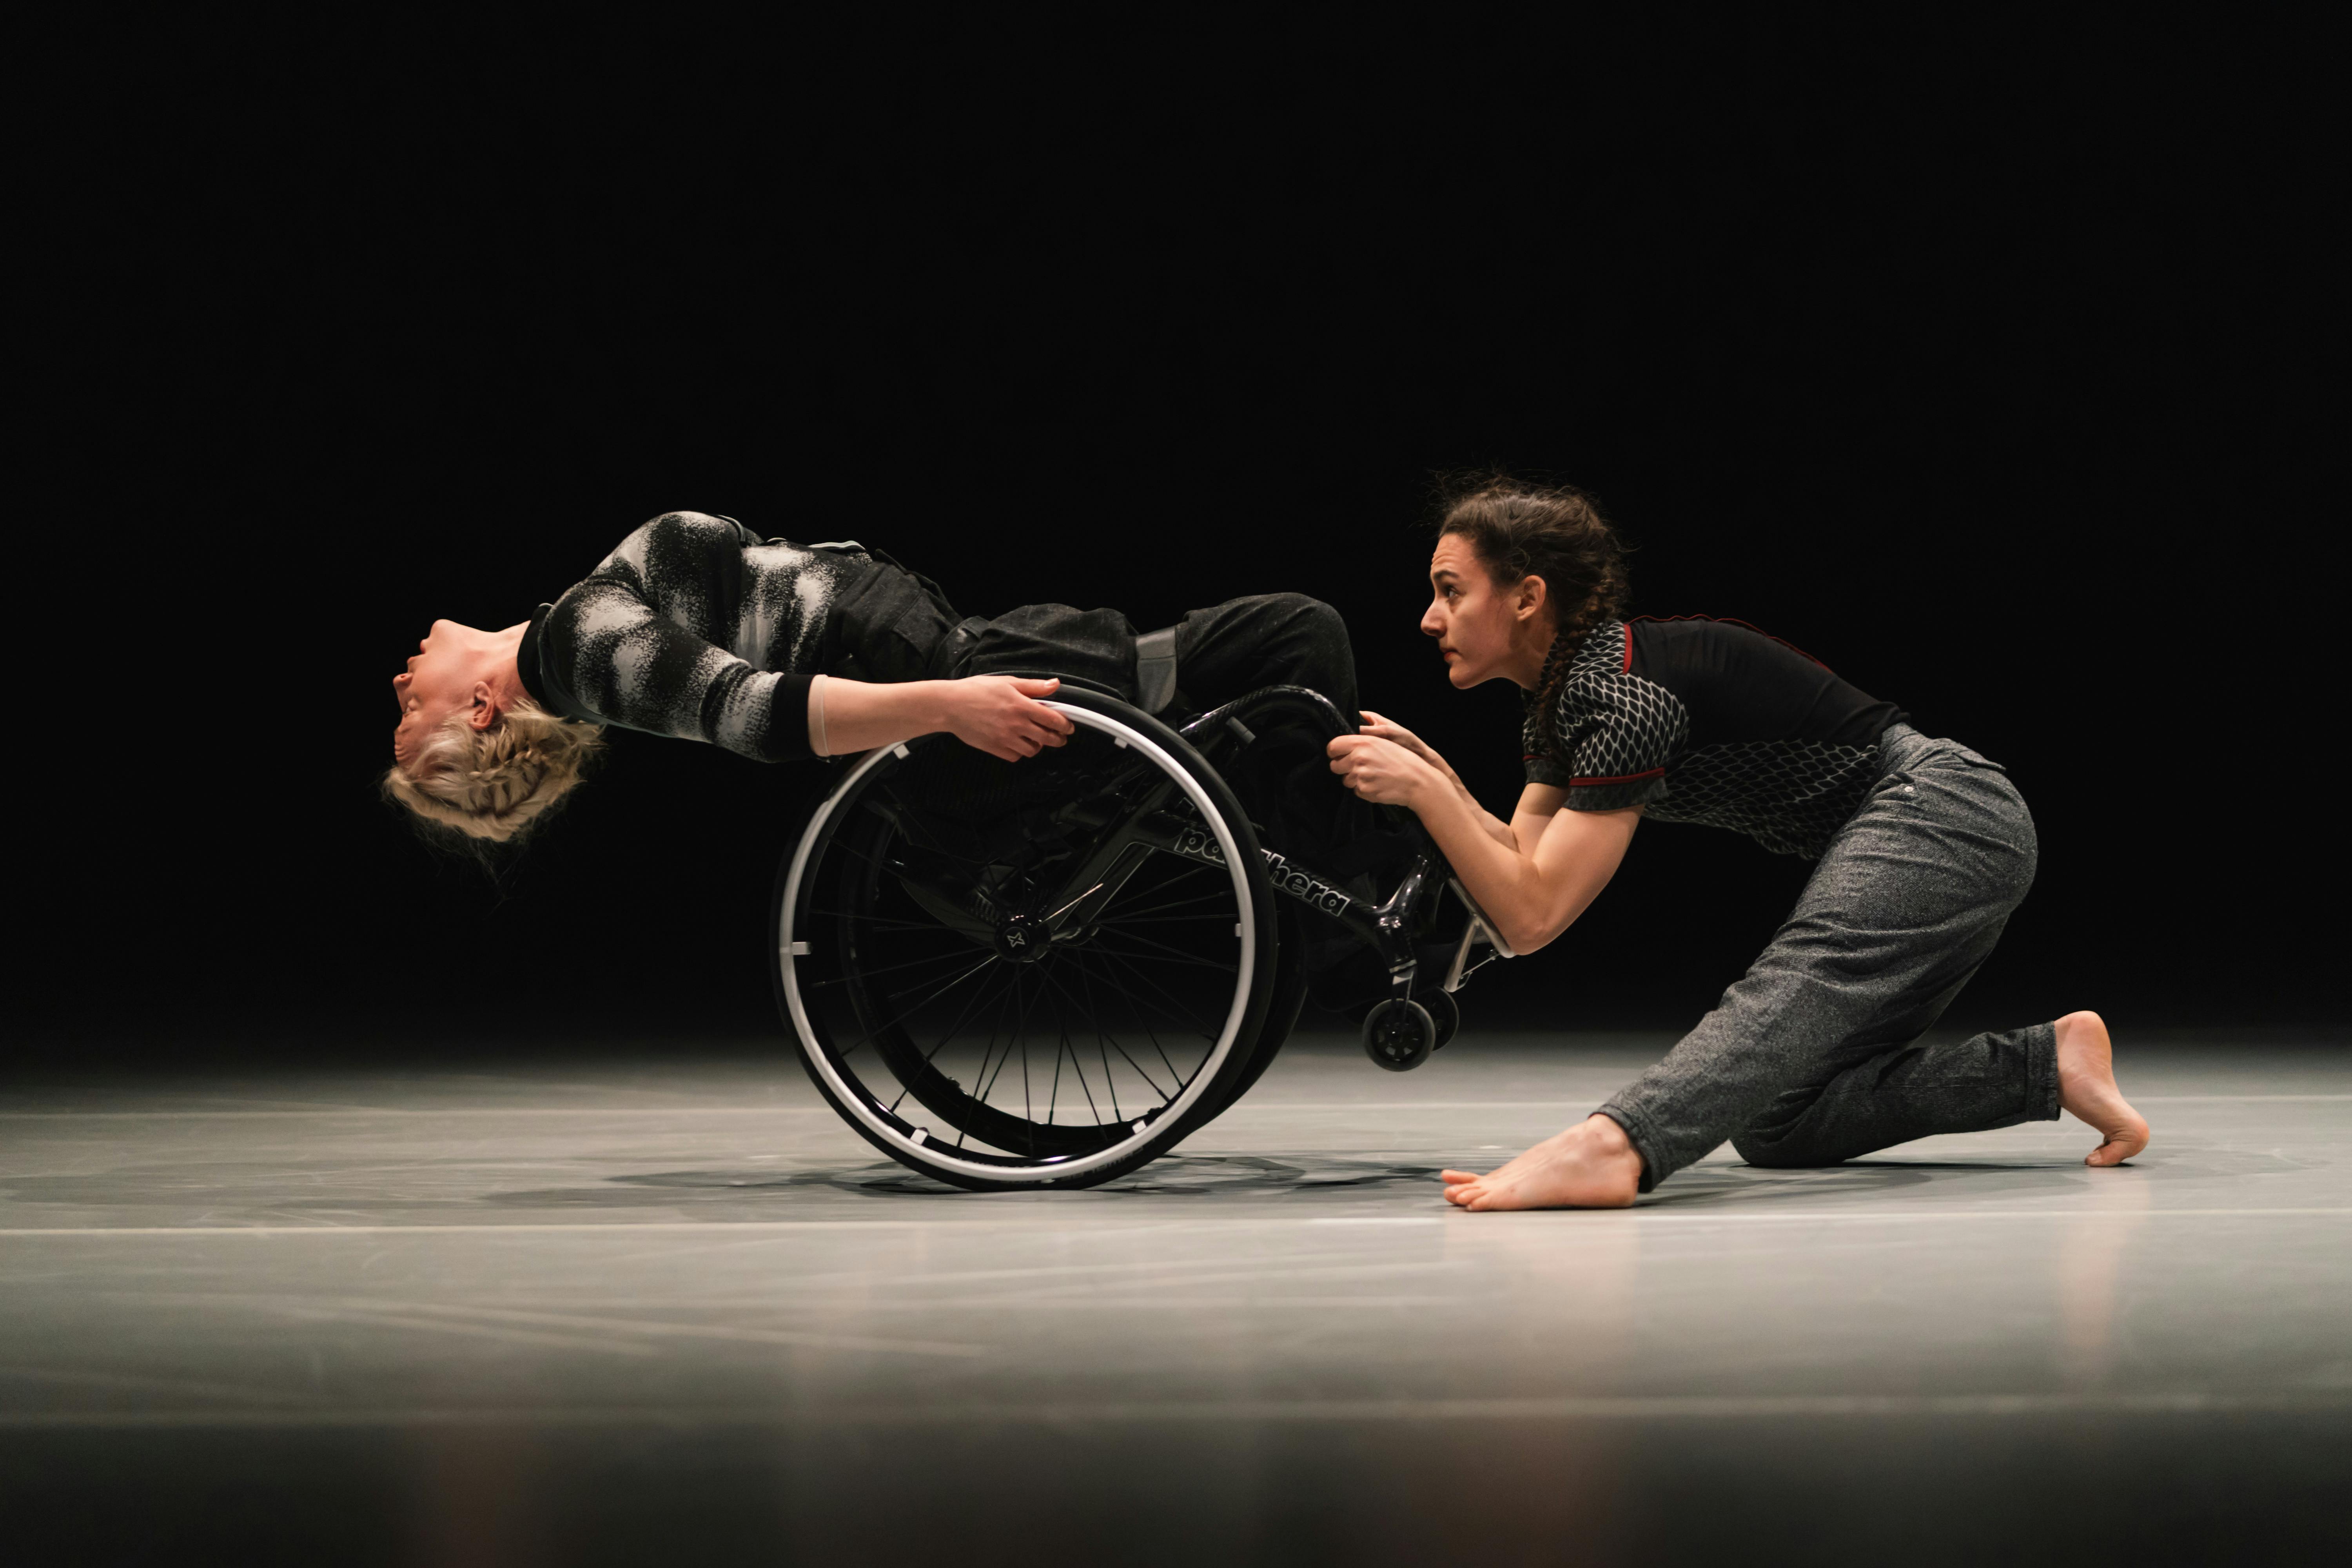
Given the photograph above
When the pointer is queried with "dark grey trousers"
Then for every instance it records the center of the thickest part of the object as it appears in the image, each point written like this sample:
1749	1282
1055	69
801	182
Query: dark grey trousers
1813	1055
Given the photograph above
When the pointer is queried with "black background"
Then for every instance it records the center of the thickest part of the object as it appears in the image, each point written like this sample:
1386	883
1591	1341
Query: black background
1982	363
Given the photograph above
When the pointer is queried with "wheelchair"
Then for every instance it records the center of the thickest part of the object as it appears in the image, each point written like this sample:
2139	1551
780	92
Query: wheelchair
1044	974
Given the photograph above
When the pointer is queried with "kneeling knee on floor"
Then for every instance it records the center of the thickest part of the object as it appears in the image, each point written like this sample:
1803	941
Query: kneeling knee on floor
1782	1154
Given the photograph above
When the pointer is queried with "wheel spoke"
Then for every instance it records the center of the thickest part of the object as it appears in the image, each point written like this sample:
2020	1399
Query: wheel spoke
1003	1000
864	974
1019	1027
1061	1038
1111	1084
1027	1114
1105	1034
1177	903
1156	920
1182	961
882	920
1179	953
943	989
893	828
1077	1065
1174	1075
1173	1001
978	996
885	866
1182	1079
928	849
855	853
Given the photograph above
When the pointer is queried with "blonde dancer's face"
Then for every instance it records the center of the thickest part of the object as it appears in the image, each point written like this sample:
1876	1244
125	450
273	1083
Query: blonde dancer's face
447	674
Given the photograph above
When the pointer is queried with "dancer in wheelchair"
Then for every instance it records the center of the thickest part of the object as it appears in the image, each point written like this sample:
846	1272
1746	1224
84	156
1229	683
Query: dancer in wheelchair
697	627
1922	850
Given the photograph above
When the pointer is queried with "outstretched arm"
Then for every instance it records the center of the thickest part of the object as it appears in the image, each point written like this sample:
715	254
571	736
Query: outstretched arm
1535	878
999	714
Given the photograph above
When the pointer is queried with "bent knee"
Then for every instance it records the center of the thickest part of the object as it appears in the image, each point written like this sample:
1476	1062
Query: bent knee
1325	630
1302	610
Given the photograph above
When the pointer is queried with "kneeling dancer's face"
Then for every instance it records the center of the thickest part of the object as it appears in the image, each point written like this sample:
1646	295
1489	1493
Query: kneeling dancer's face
1483	630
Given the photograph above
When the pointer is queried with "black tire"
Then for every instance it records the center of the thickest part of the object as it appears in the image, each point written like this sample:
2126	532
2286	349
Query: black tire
1398	1034
1444	1012
910	930
1282	1012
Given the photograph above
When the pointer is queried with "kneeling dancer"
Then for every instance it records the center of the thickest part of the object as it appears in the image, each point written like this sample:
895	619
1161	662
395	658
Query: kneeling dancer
1923	848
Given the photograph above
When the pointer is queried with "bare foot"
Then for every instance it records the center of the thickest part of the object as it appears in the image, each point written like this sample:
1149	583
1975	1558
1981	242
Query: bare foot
1589	1166
2086	1087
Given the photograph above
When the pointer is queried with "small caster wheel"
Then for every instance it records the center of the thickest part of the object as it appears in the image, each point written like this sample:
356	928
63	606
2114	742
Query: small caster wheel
1445	1012
1399	1036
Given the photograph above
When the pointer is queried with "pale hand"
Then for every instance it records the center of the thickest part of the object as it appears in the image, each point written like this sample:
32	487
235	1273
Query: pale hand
999	714
1380	770
1387	728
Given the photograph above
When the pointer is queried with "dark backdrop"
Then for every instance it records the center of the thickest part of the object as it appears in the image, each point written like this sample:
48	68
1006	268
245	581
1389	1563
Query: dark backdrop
1973	361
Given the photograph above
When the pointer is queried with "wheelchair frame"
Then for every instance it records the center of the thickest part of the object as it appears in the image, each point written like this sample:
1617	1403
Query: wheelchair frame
1385	927
1177	819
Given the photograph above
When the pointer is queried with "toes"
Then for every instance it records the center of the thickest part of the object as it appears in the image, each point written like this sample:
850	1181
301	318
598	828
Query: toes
1452	1176
2115	1150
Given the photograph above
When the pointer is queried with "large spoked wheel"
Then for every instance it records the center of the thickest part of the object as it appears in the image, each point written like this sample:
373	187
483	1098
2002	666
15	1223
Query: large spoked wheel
1029	974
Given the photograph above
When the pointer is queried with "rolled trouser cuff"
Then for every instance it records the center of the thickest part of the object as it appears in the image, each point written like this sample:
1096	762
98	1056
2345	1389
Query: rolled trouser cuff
2041	1073
1645	1138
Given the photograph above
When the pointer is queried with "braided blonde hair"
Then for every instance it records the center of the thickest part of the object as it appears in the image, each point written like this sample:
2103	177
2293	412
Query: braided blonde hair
493	784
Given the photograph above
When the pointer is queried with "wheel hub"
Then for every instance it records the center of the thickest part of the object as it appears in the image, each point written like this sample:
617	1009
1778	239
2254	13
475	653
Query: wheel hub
1021	939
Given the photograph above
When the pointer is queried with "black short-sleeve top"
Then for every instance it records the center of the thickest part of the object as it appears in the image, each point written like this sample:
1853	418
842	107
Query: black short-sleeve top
1711	721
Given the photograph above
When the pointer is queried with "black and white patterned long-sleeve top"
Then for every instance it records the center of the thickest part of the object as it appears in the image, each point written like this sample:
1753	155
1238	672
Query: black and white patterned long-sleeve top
1711	721
694	627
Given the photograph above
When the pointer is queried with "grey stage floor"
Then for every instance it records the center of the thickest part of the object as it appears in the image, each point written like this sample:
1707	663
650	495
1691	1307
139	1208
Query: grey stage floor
669	1310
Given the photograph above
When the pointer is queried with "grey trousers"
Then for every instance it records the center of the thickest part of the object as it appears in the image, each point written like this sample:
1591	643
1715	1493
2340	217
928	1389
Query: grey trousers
1813	1055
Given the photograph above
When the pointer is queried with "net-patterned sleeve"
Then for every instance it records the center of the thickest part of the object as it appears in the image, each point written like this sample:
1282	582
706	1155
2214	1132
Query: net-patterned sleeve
1614	734
638	643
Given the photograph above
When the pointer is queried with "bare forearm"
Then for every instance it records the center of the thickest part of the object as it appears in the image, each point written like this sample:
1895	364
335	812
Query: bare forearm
1532	878
1536	882
859	715
1005	715
1494	827
1487	855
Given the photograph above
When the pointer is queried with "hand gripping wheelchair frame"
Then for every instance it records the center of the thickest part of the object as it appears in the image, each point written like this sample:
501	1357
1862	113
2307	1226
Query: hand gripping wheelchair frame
1046	973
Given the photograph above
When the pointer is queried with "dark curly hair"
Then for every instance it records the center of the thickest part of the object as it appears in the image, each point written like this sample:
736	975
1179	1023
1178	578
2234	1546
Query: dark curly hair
1554	532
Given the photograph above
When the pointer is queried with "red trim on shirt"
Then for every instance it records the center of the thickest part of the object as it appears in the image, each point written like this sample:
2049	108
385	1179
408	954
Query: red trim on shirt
1621	778
1727	620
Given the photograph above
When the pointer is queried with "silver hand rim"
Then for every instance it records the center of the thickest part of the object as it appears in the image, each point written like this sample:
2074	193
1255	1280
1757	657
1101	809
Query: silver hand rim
931	1154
